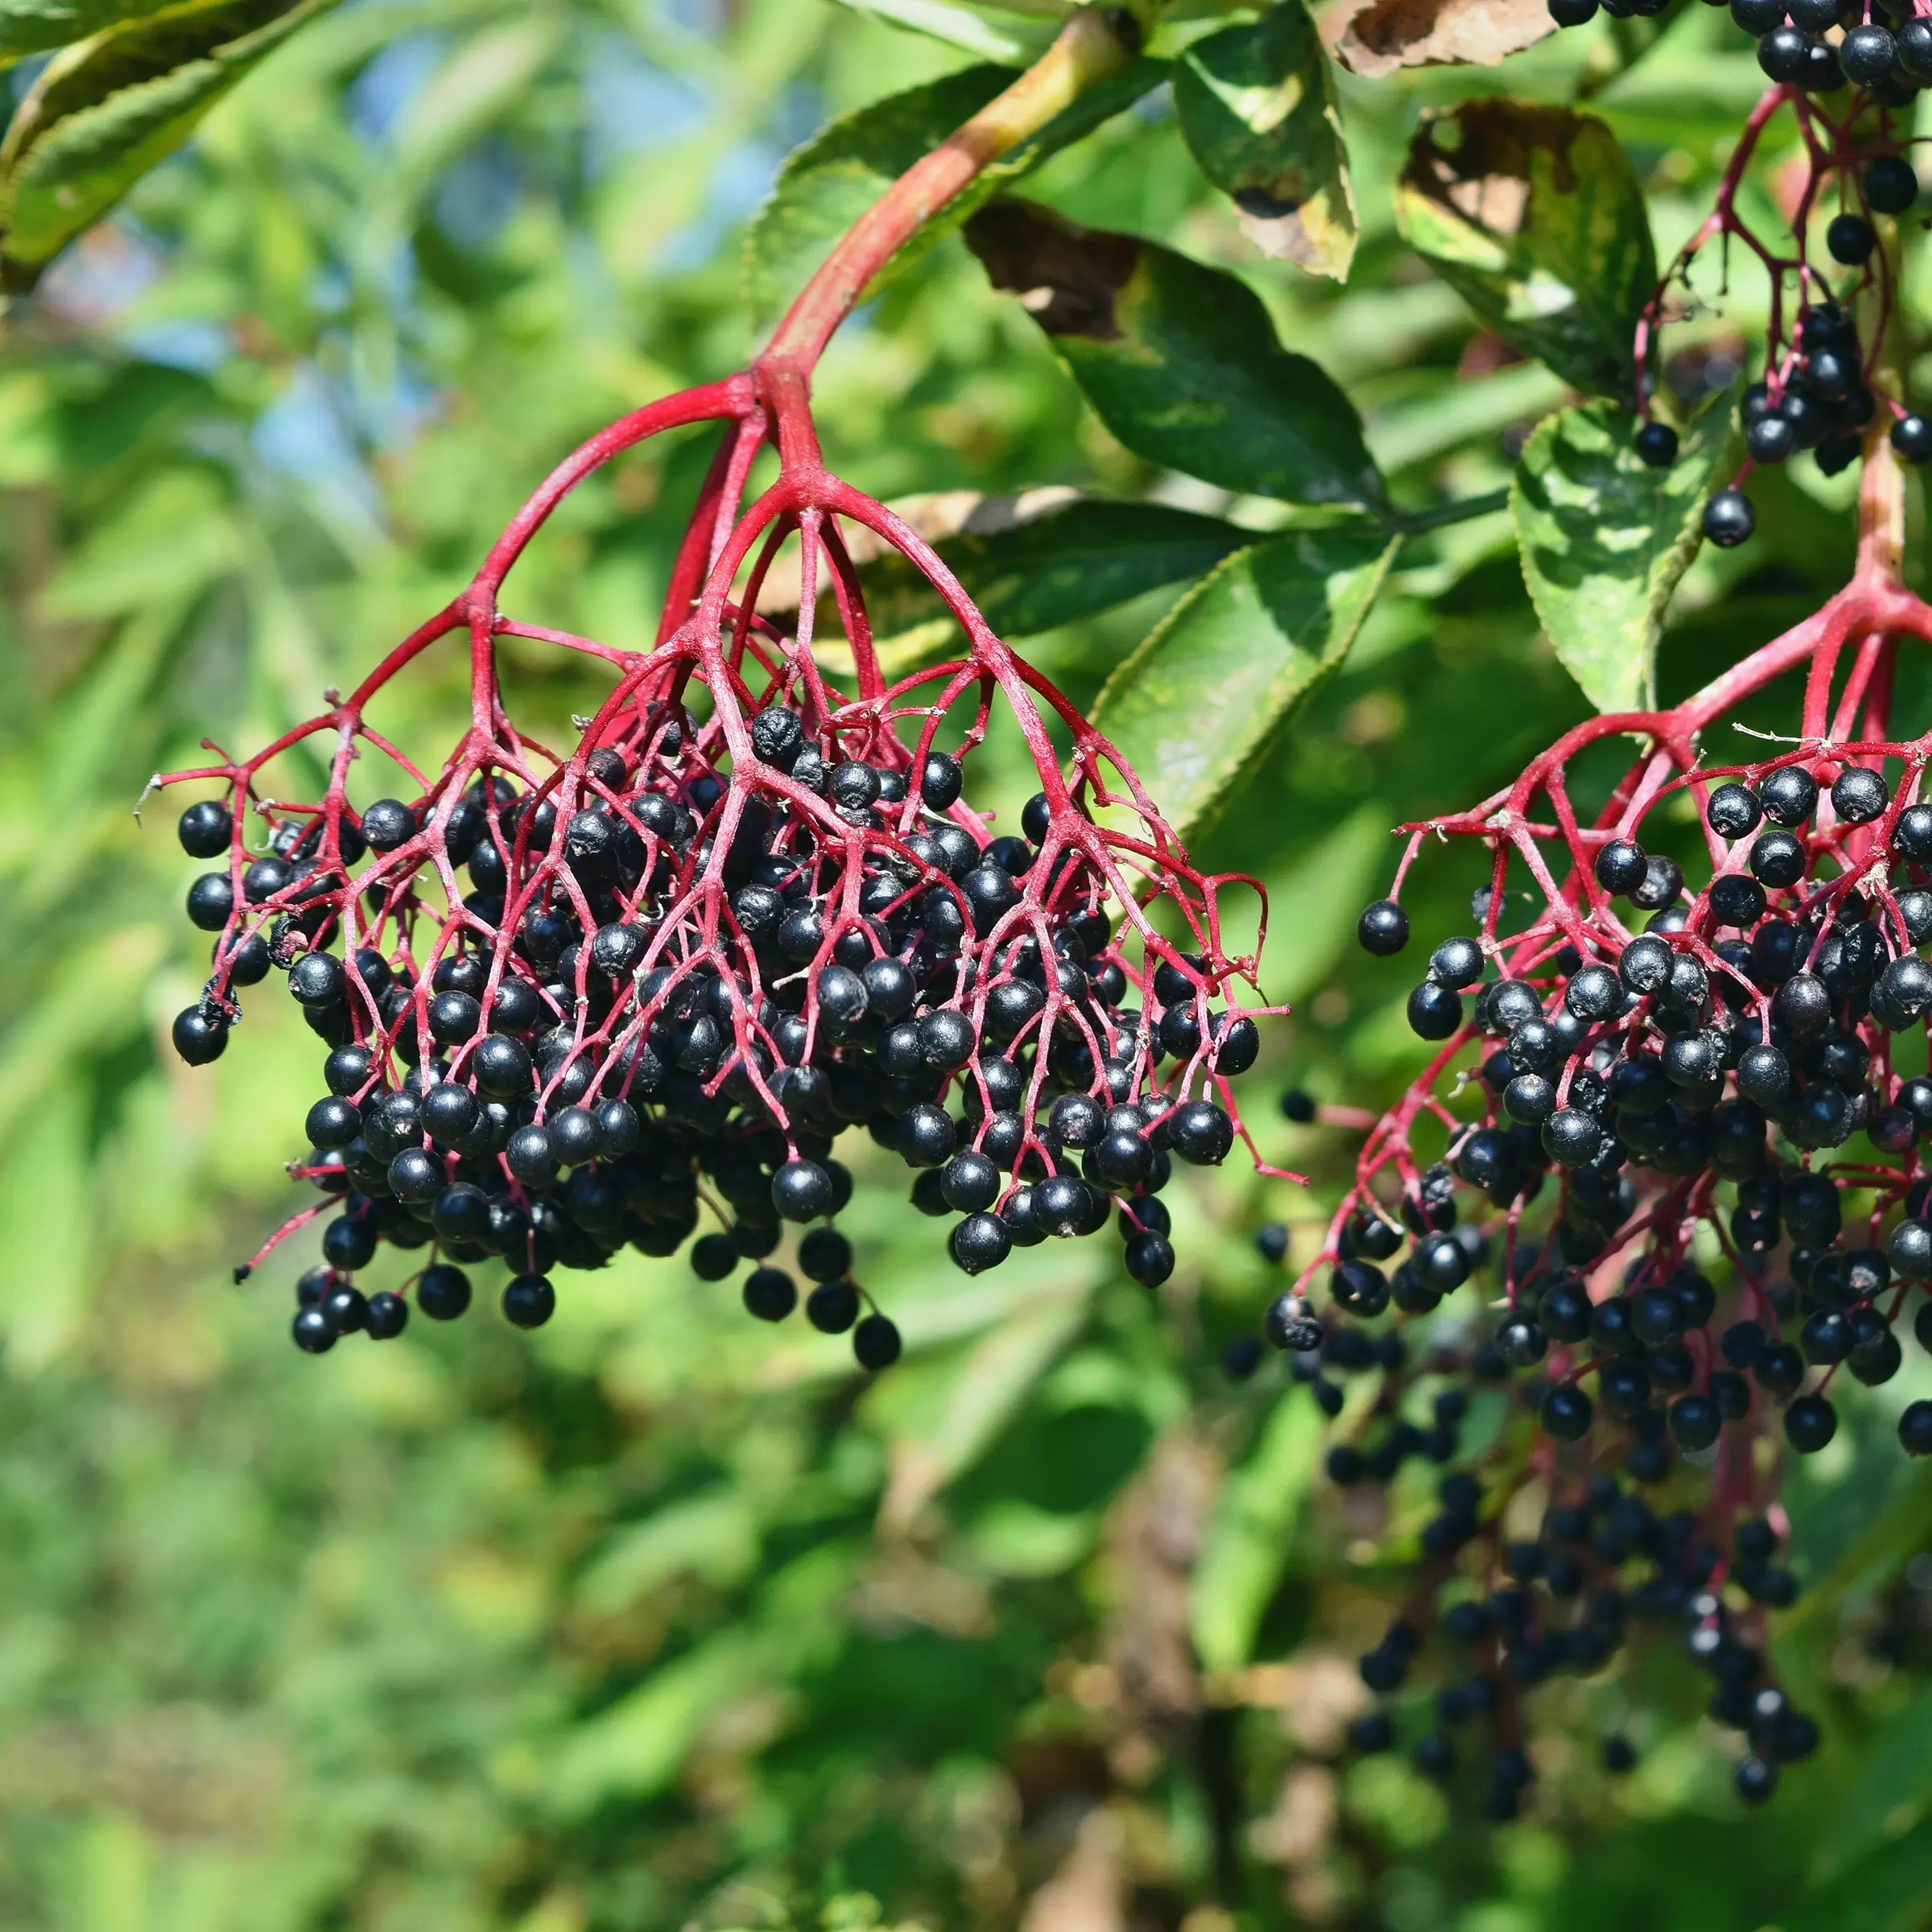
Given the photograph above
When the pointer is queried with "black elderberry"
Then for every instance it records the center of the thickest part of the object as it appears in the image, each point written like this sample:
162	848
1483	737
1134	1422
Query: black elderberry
1622	866
713	1258
770	1294
528	1301
1567	1413
1915	1428
313	1332
388	1316
204	830
1290	1323
388	824
1785	54
1848	238
1866	55
802	1190
1655	442
346	1309
1912	438
1383	929
210	900
1860	794
1271	1242
875	1342
1810	1422
1434	1011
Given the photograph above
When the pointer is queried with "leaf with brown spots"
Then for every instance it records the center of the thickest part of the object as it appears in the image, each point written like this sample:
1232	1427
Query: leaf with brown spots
1375	37
1257	104
1534	216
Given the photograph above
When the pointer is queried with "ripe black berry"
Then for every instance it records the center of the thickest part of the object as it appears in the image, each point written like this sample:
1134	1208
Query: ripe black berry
528	1301
1891	186
1729	517
205	829
1912	438
875	1342
443	1292
1383	929
1809	1423
1655	442
1848	238
770	1294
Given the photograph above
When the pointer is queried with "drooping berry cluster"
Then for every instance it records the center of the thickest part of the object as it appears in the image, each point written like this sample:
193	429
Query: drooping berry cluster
575	1000
1629	1132
1828	375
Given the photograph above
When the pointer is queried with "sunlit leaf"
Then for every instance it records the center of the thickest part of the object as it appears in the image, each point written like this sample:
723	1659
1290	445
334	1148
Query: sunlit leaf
1605	537
1534	215
105	111
1257	106
1204	699
827	184
1180	361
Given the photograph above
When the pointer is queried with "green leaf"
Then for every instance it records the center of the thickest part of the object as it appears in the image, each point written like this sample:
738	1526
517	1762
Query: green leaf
1257	106
1252	1532
943	20
1072	562
826	185
32	26
1205	696
105	111
1890	1890
1605	537
1533	215
1181	361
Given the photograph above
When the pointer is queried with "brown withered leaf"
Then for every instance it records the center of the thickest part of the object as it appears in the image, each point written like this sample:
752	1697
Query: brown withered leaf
1066	277
1375	37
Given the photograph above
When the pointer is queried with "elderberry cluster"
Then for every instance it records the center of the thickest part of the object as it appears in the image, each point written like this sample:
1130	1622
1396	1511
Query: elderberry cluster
1637	1097
1818	398
1605	1575
672	982
1886	49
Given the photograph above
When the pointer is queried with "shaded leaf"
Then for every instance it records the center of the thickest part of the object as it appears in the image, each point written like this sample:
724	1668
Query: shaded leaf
1079	558
826	185
105	111
1889	1890
1204	697
1257	104
1253	1533
1604	538
940	1423
32	26
1181	361
1533	215
1375	37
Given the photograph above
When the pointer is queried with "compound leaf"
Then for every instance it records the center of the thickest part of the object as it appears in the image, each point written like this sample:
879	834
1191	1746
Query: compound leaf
1604	538
1257	104
1181	361
1534	216
1201	701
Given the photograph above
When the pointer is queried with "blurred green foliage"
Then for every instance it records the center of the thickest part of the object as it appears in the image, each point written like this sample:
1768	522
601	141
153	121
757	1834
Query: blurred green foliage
651	1620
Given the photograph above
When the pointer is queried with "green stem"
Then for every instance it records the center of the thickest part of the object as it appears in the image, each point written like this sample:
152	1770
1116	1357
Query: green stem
1088	49
1412	522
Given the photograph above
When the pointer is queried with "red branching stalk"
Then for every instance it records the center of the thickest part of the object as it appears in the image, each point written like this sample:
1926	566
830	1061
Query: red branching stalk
408	905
